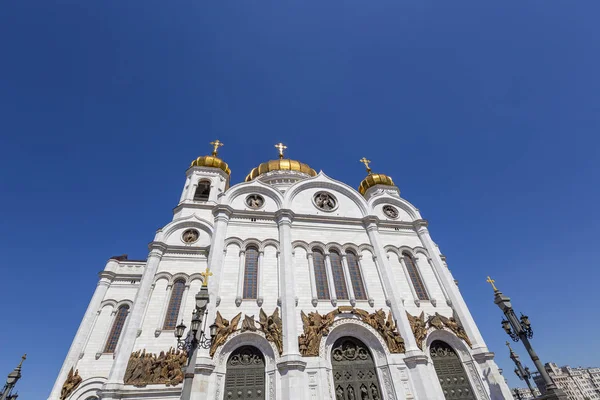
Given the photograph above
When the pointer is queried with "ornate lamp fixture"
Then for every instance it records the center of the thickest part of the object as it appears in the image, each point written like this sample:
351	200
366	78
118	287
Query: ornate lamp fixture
201	341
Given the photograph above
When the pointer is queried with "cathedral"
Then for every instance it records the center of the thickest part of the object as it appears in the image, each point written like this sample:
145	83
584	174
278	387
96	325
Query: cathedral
288	285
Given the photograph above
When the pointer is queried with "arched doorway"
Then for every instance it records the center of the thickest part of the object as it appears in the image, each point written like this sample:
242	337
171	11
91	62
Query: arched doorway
245	376
450	371
354	373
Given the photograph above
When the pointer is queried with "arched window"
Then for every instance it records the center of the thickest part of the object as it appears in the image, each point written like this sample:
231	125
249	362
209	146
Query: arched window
320	275
174	304
339	281
413	273
356	276
115	332
202	191
251	273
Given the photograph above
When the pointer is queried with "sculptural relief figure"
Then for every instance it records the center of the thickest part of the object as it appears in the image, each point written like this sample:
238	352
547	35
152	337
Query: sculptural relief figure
248	324
364	393
419	328
339	393
325	201
315	325
351	393
386	328
146	368
224	330
73	380
272	328
439	322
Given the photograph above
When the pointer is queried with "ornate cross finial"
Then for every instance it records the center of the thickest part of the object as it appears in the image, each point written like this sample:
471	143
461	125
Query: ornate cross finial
491	282
216	144
281	147
206	274
366	162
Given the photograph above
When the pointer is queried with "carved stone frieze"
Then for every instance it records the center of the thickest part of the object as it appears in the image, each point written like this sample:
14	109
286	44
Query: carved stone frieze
224	330
419	328
73	380
148	368
438	321
316	326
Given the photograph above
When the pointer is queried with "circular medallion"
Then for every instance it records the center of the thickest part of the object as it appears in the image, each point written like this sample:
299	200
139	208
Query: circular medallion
190	236
390	212
255	201
325	201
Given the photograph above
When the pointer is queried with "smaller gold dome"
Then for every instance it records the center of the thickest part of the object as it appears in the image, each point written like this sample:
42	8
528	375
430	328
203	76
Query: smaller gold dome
211	161
374	179
283	164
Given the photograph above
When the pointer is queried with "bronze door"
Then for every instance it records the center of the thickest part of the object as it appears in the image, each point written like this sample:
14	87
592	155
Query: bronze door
245	377
450	372
354	375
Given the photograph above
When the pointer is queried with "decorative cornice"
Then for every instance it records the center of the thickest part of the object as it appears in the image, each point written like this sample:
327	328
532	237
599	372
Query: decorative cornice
222	211
284	216
420	223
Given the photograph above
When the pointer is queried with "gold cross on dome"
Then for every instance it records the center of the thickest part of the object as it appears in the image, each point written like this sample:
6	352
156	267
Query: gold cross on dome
281	147
491	282
366	162
216	144
206	274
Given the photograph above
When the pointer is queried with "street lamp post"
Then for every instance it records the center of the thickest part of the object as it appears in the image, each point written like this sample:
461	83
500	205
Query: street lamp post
520	329
196	337
523	373
11	381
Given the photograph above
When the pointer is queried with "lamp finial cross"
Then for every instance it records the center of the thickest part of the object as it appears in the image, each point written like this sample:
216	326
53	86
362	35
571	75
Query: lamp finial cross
206	274
281	147
216	144
366	162
491	282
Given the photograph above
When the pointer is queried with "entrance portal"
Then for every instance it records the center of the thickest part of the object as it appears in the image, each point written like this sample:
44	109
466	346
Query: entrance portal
354	373
450	372
245	377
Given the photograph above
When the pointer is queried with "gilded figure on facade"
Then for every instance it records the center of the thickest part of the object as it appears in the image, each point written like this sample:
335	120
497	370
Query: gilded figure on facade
315	325
224	330
271	326
438	321
418	327
73	380
148	368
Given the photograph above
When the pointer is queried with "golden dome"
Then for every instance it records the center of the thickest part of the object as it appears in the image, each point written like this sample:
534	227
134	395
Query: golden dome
283	164
211	161
374	179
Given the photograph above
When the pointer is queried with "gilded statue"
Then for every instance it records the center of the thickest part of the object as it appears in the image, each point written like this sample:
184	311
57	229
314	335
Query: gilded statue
315	326
224	330
73	380
439	322
271	326
419	328
147	368
385	326
248	324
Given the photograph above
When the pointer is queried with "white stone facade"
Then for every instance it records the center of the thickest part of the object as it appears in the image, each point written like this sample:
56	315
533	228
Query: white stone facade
286	230
577	383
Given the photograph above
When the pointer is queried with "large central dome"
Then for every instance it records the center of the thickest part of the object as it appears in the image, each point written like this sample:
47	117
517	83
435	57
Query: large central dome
283	165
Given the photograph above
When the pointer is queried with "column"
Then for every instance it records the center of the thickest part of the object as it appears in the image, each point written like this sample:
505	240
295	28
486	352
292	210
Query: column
83	332
313	283
134	322
240	285
349	286
291	365
260	281
370	298
455	297
439	281
415	359
330	281
204	364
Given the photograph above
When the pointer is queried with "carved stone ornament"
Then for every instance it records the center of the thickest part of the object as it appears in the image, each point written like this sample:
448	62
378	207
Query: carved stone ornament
224	330
255	201
438	321
419	328
73	380
325	201
390	212
148	368
190	236
316	326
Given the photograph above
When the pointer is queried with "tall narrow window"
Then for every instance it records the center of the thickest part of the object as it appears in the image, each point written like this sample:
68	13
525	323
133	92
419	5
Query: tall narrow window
174	304
339	281
356	276
413	273
251	273
320	275
115	332
202	191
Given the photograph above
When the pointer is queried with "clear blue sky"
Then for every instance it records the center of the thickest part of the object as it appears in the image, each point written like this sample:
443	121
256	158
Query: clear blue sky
486	114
